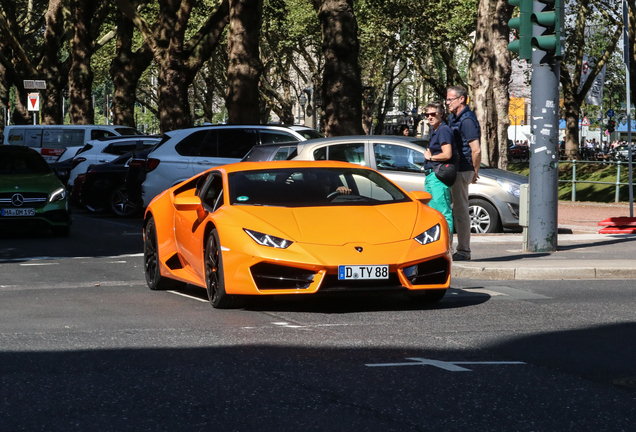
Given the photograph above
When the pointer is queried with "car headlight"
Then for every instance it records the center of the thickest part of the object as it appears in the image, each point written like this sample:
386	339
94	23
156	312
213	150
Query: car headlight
57	195
511	188
268	240
430	235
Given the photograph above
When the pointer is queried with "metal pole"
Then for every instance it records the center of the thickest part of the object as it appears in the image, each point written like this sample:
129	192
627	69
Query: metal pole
629	106
544	161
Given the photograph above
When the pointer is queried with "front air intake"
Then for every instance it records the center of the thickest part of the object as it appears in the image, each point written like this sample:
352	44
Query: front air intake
433	272
273	276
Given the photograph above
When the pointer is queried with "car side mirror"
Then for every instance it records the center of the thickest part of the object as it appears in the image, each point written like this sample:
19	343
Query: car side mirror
187	203
423	197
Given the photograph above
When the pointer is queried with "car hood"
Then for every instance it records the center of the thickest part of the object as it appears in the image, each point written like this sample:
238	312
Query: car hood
29	182
338	225
495	173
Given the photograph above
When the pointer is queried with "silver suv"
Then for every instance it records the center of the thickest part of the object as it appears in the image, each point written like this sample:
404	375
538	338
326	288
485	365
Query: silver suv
184	153
493	200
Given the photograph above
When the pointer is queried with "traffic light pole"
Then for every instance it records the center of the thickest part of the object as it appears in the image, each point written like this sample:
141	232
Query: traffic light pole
544	150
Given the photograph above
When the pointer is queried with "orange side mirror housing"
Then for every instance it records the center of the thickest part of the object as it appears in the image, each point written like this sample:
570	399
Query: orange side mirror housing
421	196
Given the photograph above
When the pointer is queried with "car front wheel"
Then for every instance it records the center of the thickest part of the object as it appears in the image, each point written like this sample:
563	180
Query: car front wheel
214	279
484	217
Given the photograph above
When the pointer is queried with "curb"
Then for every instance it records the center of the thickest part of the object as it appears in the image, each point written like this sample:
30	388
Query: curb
537	272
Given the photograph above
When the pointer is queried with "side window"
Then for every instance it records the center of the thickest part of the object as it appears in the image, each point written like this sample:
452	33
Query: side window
189	146
272	137
73	137
320	154
16	137
213	193
120	148
353	153
236	142
53	138
398	158
283	153
98	133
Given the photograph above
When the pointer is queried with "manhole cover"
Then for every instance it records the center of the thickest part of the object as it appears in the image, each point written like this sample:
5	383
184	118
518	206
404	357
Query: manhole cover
626	382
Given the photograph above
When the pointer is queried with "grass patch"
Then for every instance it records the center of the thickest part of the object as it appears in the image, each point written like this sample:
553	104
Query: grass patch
595	172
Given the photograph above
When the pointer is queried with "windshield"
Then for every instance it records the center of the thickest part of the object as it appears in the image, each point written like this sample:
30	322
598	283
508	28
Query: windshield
310	187
23	163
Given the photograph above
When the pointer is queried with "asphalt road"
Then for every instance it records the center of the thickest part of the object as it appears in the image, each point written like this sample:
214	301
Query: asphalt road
84	345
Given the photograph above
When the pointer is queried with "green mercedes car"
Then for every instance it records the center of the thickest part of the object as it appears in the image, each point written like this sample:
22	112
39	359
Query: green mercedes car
31	195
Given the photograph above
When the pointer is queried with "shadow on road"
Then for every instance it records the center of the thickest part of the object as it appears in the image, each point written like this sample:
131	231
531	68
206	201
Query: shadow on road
271	387
90	236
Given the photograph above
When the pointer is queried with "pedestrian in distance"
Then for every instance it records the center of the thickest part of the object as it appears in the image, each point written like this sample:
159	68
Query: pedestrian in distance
404	130
441	150
467	131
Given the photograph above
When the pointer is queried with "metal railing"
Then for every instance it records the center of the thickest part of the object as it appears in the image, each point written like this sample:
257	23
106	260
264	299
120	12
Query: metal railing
574	181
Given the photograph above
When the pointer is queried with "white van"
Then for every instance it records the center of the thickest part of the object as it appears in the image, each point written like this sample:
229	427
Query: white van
51	140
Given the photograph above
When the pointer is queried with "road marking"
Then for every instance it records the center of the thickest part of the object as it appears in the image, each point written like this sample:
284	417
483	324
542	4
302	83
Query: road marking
288	325
39	264
188	296
449	366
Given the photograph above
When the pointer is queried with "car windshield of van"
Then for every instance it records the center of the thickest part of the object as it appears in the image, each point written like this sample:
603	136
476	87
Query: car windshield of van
311	187
23	163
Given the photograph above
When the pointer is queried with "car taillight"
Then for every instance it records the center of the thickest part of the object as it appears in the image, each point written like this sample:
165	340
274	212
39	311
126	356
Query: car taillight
151	164
77	161
136	163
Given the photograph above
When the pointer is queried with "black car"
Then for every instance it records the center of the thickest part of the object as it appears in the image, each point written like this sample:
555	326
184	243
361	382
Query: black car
104	186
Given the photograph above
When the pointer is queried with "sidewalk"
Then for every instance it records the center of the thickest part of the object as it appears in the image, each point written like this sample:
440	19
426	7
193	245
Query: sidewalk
581	252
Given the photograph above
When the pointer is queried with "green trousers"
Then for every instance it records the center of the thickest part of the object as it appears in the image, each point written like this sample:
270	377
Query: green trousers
441	198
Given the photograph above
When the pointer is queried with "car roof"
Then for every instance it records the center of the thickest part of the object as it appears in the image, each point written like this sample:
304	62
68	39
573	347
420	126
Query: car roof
253	166
387	139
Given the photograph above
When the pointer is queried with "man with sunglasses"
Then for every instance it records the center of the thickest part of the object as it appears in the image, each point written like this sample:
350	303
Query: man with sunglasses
467	131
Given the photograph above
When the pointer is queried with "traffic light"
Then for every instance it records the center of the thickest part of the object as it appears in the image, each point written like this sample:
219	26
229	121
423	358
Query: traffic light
611	125
523	24
550	18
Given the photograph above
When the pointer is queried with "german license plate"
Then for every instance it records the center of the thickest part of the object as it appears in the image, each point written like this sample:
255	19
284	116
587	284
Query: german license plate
362	272
17	212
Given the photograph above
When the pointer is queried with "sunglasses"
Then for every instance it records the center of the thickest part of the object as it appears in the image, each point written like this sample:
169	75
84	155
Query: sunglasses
432	114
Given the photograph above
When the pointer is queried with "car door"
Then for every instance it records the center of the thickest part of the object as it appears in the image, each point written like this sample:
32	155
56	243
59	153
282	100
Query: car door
187	227
401	164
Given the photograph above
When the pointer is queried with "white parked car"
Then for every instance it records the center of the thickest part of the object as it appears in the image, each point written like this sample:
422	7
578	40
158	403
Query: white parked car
107	149
187	152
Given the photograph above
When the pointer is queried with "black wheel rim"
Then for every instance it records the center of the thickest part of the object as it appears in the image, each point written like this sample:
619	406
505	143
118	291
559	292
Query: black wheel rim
150	254
212	267
121	204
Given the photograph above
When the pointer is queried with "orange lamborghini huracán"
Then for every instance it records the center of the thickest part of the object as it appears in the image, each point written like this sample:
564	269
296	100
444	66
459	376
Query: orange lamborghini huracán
293	227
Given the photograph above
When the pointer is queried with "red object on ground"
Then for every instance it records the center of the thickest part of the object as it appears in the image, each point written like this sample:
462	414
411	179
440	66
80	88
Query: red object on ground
618	225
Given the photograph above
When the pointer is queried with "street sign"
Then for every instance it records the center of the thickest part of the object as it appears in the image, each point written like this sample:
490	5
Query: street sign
610	113
586	122
33	102
34	84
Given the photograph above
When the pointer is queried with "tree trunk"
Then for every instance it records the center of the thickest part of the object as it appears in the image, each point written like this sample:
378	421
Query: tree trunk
174	82
51	68
341	86
81	76
490	72
245	66
125	71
